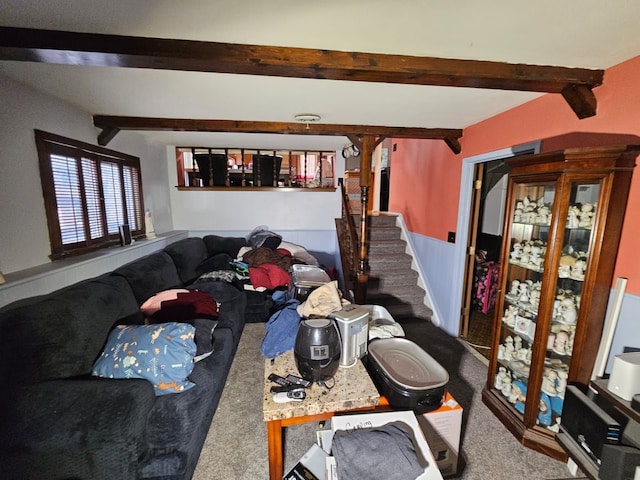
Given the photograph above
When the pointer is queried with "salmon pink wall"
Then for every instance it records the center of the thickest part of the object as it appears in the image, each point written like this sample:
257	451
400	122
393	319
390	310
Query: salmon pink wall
425	175
425	186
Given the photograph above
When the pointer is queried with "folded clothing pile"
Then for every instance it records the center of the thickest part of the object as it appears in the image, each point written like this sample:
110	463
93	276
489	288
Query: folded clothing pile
385	452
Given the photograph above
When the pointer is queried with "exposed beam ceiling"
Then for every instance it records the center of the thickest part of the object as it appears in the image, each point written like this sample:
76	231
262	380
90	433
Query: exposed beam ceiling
52	46
112	124
72	48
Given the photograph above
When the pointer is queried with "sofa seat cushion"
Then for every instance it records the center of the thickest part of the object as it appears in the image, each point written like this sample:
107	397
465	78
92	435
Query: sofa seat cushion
61	334
75	413
116	459
232	305
160	353
150	275
56	426
179	423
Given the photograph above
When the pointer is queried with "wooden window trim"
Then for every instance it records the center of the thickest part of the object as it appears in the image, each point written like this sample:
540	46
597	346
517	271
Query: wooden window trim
127	191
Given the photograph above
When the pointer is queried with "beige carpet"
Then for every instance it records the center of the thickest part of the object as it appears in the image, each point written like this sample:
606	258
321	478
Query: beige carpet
236	447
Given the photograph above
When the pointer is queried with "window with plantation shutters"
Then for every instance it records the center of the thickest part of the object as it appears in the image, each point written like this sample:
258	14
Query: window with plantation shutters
89	193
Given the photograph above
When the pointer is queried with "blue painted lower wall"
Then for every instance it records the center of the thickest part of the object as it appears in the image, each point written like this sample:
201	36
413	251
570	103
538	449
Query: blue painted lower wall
437	260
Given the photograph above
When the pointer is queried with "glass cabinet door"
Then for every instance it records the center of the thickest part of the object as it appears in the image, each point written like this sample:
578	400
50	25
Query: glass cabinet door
528	237
566	306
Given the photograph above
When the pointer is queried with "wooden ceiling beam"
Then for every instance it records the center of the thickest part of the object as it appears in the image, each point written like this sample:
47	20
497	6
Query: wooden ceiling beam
52	46
110	123
107	135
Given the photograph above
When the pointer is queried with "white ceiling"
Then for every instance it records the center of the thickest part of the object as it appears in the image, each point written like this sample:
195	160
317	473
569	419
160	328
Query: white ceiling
572	33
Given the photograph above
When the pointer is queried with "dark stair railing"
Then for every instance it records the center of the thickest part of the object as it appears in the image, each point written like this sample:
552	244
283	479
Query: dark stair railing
349	246
355	267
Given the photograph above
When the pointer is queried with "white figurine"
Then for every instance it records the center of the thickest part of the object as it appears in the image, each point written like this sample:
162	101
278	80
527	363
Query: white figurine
523	294
573	220
509	349
560	345
502	374
562	382
586	215
514	289
549	382
506	386
517	344
501	352
569	312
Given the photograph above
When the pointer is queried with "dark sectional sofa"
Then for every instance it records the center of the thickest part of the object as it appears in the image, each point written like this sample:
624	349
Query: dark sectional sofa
57	421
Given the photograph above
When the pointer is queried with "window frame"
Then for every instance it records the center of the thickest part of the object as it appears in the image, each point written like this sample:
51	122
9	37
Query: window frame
95	230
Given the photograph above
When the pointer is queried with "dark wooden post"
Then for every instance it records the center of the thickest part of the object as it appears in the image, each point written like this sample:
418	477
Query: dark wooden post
362	275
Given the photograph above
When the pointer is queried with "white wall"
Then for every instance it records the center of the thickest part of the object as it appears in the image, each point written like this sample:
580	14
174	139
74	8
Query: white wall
24	237
302	217
494	206
52	276
280	210
435	259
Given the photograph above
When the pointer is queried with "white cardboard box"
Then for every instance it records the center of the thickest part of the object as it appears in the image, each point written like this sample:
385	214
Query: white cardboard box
367	420
310	466
442	429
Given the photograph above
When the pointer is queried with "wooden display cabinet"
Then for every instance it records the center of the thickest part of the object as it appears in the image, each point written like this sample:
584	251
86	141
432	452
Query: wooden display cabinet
564	215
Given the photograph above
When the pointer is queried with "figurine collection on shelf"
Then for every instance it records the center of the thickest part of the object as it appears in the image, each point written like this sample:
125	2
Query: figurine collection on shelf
581	215
521	309
532	212
529	254
554	384
538	213
573	264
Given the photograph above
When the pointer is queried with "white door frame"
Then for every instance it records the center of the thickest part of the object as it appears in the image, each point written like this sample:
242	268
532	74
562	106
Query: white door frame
462	229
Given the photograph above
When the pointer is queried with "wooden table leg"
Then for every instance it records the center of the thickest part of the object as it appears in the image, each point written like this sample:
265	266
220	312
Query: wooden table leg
274	442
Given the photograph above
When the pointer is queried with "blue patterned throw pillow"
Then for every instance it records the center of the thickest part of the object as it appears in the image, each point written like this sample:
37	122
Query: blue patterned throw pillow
161	353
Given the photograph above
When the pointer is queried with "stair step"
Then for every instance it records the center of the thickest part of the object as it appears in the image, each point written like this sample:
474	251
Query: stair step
402	295
387	246
402	309
401	278
404	292
392	284
386	261
384	233
378	220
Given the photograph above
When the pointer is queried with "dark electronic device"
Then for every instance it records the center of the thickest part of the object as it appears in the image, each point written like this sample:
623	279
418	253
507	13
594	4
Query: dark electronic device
285	388
619	462
298	381
317	349
125	235
293	395
283	382
589	426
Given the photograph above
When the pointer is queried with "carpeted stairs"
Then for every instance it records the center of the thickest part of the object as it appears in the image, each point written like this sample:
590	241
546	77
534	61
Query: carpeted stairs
393	284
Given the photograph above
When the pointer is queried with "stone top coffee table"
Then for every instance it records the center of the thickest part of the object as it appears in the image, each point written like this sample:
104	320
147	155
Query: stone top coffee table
353	391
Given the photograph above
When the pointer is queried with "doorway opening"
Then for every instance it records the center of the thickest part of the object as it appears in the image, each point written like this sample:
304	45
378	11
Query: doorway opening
483	260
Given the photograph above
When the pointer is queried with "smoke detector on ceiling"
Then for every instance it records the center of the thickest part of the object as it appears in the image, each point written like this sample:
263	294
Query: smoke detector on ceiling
307	117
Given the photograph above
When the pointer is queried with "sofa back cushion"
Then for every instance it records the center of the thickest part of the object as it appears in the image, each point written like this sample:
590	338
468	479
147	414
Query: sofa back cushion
229	245
150	275
187	255
61	334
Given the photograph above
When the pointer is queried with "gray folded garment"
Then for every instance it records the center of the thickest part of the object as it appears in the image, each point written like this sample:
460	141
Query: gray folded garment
380	453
